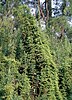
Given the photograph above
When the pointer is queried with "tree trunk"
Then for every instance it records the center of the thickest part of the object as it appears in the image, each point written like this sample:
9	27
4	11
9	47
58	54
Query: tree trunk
47	11
39	11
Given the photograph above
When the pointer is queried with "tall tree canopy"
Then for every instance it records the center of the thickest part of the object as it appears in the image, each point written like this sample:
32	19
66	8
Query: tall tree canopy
34	64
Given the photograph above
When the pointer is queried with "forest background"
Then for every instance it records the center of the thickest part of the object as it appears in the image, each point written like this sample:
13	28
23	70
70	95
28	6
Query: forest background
35	64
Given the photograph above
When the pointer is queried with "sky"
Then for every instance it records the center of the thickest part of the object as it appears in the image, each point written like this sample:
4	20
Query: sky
42	1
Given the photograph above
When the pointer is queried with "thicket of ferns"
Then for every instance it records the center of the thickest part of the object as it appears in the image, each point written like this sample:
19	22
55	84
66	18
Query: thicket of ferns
33	64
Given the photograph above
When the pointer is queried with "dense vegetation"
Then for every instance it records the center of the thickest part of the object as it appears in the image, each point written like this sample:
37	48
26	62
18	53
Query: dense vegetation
34	64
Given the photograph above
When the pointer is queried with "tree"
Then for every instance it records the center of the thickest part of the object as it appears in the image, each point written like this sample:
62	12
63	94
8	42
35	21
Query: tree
34	65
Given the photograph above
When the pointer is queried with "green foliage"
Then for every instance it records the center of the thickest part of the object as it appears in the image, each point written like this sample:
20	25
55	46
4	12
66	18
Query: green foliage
34	65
